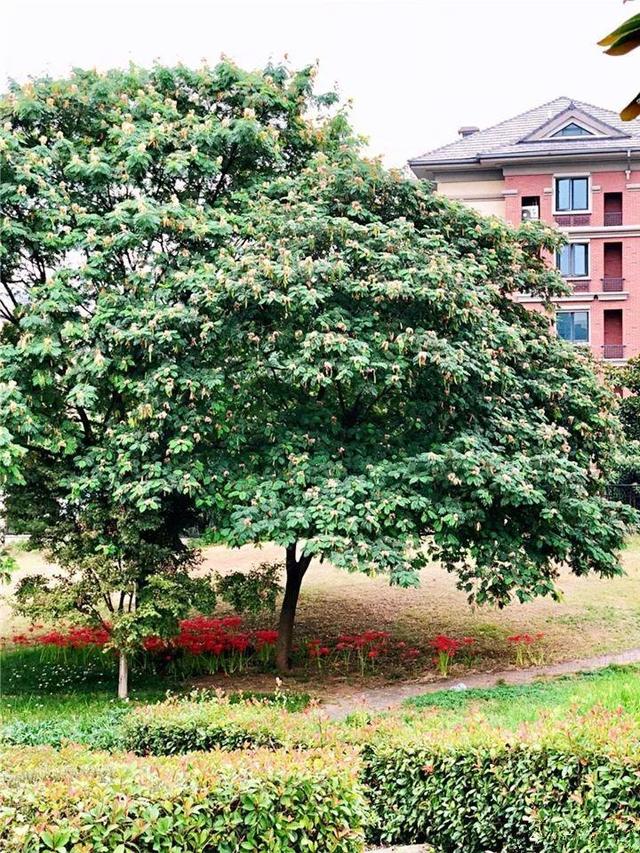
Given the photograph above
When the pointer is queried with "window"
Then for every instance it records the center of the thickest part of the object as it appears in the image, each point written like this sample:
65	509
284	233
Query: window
573	326
572	194
573	260
573	129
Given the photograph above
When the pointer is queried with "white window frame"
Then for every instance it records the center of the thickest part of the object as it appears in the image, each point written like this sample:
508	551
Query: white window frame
559	176
573	310
554	134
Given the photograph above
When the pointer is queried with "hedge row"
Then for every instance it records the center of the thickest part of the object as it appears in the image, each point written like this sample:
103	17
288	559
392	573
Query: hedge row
179	727
507	799
283	802
555	787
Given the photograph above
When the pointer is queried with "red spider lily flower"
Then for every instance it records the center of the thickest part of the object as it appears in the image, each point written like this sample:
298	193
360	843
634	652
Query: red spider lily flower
527	639
446	645
266	638
239	642
153	644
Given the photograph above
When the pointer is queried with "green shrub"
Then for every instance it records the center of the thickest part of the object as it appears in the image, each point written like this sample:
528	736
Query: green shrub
71	800
255	591
285	701
176	727
575	790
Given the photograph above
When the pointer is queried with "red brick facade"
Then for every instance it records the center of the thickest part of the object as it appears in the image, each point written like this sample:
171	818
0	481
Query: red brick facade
587	161
611	290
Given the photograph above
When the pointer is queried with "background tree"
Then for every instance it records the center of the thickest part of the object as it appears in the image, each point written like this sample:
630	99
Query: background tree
393	403
118	190
627	472
629	378
618	43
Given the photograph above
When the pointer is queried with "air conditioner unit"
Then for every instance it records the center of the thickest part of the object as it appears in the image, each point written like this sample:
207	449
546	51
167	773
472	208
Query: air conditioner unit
532	211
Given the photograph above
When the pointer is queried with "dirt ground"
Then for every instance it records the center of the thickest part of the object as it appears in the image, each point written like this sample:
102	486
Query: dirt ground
595	616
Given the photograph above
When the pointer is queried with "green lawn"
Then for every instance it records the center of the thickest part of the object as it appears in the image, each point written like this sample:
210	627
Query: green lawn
510	706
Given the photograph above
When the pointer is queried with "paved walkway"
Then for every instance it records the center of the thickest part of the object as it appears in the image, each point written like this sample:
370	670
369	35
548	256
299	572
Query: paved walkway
412	848
384	698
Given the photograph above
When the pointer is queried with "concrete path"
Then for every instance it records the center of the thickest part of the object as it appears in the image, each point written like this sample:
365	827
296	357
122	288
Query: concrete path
412	848
384	698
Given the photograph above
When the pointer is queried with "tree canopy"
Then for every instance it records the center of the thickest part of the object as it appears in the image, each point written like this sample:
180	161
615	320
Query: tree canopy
217	311
393	402
115	187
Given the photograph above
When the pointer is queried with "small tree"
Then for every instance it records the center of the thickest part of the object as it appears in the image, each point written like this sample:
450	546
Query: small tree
393	402
116	571
119	190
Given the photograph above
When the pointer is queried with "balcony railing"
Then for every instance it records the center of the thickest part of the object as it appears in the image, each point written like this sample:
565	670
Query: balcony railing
581	286
613	351
613	218
567	219
611	284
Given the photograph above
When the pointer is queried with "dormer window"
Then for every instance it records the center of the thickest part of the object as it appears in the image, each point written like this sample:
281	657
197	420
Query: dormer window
572	129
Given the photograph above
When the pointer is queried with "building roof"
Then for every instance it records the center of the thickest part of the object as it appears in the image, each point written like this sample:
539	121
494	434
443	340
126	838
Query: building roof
531	134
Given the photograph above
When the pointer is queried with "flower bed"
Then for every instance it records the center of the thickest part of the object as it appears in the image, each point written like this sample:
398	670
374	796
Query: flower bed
207	645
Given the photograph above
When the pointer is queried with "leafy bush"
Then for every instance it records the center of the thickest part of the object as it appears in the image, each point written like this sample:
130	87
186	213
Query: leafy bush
286	701
255	591
267	803
571	790
176	727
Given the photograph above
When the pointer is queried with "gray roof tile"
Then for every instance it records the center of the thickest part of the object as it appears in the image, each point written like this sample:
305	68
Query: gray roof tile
506	137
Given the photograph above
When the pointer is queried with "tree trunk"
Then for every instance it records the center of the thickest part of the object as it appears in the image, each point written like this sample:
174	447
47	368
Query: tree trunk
123	676
296	569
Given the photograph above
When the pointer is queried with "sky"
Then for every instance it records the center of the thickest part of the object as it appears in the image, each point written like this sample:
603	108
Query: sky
413	70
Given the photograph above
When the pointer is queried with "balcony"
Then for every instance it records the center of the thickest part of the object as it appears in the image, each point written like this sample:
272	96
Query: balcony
612	284
612	209
613	351
612	219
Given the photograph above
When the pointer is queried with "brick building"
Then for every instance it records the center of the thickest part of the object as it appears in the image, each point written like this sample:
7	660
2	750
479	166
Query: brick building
576	166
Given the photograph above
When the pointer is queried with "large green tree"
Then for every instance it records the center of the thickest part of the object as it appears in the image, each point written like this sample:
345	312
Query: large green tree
117	189
215	310
393	403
